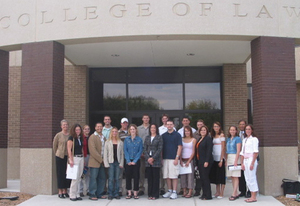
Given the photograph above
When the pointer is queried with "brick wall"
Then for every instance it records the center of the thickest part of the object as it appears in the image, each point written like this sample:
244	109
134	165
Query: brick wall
75	94
14	107
42	97
4	66
234	94
274	91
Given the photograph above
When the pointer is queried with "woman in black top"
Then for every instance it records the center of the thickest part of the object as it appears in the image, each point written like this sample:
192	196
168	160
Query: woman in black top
75	153
152	151
205	160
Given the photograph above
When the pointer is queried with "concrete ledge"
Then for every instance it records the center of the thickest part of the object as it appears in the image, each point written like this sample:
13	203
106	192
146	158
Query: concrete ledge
3	168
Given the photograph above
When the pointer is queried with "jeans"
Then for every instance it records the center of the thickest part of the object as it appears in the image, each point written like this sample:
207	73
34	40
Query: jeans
97	181
113	179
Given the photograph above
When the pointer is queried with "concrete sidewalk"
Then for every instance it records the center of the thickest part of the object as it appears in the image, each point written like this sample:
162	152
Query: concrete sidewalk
52	200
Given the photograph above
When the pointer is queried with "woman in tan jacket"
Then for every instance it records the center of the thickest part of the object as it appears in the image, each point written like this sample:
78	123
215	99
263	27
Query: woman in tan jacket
113	160
61	158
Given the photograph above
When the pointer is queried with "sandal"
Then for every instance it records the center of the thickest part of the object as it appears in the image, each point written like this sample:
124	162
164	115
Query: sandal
128	197
93	198
154	198
184	195
232	198
250	200
149	198
188	196
136	197
102	197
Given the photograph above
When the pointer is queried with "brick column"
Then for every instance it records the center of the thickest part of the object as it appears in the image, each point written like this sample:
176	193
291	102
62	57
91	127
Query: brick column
275	110
42	109
234	94
4	65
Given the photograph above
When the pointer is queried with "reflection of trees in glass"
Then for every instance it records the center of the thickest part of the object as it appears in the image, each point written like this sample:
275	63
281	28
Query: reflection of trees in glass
118	102
143	103
201	104
209	118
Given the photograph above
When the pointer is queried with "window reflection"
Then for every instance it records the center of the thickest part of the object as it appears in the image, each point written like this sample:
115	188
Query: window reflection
202	96
114	96
155	97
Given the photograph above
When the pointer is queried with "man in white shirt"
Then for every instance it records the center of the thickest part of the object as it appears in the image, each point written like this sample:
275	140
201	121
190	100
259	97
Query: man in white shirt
185	122
107	126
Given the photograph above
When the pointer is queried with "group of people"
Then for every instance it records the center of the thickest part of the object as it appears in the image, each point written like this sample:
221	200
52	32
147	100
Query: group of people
200	157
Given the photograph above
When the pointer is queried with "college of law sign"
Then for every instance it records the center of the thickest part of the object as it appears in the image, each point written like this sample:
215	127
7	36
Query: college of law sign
84	19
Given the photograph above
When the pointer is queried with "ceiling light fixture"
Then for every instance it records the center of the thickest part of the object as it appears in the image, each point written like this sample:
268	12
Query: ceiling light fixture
190	54
115	55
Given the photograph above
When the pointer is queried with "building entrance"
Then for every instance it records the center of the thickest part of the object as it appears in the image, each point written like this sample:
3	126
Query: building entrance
131	92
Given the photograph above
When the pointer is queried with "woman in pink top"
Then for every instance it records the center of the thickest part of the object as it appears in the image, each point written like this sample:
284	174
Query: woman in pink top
186	160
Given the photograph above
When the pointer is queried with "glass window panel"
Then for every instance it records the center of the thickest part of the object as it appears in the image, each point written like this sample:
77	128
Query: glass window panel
114	96
202	96
155	97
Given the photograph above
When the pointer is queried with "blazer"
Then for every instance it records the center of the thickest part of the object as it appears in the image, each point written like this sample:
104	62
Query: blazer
95	147
204	151
156	147
60	145
109	153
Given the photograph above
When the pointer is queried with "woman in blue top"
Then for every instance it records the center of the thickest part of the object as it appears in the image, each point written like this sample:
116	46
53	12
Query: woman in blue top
233	149
133	148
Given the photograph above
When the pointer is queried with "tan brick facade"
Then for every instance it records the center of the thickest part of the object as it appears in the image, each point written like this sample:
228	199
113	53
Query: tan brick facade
76	93
14	94
234	94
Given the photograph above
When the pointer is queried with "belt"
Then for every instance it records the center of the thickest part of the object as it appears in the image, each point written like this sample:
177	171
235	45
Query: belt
78	155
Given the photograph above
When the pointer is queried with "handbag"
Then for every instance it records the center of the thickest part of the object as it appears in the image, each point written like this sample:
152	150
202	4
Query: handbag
197	173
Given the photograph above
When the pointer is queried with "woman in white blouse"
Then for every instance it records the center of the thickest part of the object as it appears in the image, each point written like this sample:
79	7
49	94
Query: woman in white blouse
249	155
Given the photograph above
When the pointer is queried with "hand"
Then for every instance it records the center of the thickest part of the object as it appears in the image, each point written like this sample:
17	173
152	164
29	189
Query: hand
175	162
121	167
235	164
187	163
243	167
71	162
205	164
220	163
132	163
251	167
150	161
129	163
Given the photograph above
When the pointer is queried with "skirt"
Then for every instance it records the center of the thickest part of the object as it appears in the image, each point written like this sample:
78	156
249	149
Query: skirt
230	161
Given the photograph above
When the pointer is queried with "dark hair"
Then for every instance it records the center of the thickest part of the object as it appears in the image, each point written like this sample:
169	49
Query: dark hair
146	115
200	120
242	121
170	120
190	129
155	128
236	133
205	128
106	116
186	117
251	126
98	123
73	133
213	133
165	115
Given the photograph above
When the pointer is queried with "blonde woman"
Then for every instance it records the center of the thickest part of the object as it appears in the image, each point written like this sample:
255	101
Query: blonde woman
113	160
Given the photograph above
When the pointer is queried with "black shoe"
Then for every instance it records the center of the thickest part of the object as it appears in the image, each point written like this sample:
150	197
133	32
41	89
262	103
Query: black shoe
120	194
118	197
81	194
248	194
241	194
103	193
140	193
197	193
78	198
73	199
180	193
88	194
110	197
61	196
162	192
66	195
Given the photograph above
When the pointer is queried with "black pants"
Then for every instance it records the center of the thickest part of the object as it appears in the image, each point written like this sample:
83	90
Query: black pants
153	181
198	185
132	171
242	183
204	175
61	169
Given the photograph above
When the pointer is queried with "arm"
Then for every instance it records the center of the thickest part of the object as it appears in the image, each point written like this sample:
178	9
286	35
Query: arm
105	155
70	154
159	148
121	155
223	144
178	154
208	154
146	155
126	152
55	144
238	150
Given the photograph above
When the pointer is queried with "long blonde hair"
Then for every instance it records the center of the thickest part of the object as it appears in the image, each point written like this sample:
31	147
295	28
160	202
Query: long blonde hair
110	134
